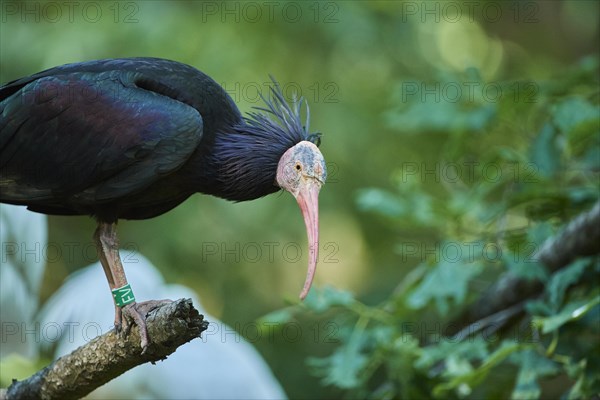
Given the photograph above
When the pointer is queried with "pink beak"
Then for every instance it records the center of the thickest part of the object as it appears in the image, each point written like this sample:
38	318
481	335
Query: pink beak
308	200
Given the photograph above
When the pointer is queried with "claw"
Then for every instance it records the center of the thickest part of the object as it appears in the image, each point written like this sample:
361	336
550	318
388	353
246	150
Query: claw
118	318
135	314
131	310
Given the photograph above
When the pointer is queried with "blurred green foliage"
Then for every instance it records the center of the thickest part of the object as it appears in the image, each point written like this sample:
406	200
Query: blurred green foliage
407	345
458	140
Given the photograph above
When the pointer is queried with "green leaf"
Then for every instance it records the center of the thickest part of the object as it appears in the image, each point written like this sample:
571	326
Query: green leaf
544	152
343	367
591	158
387	391
583	195
538	233
447	281
382	335
572	112
322	299
400	362
538	307
570	312
564	278
576	371
532	366
524	264
458	352
473	378
521	267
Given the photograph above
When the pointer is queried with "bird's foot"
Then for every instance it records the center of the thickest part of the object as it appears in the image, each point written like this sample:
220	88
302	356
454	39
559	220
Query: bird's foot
136	313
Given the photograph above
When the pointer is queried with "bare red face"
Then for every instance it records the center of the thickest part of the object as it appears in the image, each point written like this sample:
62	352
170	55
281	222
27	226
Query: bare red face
301	171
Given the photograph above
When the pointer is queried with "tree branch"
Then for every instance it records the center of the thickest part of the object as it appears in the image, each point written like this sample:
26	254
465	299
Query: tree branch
108	356
580	238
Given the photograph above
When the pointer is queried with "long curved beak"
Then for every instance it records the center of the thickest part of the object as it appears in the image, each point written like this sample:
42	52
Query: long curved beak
308	200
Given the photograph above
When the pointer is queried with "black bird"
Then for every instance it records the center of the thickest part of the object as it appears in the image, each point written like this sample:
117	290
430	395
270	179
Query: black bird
132	138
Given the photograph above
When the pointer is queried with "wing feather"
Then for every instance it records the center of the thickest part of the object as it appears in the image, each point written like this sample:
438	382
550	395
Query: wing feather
90	137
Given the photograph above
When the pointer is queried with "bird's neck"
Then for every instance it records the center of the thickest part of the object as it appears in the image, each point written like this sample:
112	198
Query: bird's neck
240	164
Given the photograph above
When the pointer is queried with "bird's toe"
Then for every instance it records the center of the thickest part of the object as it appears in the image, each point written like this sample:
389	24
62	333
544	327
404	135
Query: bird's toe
118	320
136	313
134	316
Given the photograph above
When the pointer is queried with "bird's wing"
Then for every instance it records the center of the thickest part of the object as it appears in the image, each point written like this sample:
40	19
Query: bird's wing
90	137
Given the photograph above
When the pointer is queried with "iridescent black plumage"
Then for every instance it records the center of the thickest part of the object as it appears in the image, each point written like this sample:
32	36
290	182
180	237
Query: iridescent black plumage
152	133
249	153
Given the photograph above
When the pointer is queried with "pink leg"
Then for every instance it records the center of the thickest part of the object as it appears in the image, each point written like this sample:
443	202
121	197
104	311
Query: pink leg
108	252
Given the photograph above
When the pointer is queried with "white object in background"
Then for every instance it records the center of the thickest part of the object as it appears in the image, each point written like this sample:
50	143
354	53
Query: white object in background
220	365
23	241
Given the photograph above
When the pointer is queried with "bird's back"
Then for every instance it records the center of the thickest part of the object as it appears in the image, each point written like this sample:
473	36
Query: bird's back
110	138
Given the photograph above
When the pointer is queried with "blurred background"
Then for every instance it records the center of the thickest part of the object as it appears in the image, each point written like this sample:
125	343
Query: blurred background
442	122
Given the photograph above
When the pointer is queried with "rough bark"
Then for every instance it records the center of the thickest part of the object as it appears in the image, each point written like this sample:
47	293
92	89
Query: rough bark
108	356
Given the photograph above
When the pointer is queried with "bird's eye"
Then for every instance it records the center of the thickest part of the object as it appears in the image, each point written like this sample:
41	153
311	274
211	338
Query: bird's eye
298	167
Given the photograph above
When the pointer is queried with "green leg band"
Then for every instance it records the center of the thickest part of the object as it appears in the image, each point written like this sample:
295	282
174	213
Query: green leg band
123	295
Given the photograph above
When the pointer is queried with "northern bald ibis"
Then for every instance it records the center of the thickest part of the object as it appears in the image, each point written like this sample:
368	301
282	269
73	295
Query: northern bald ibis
132	138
